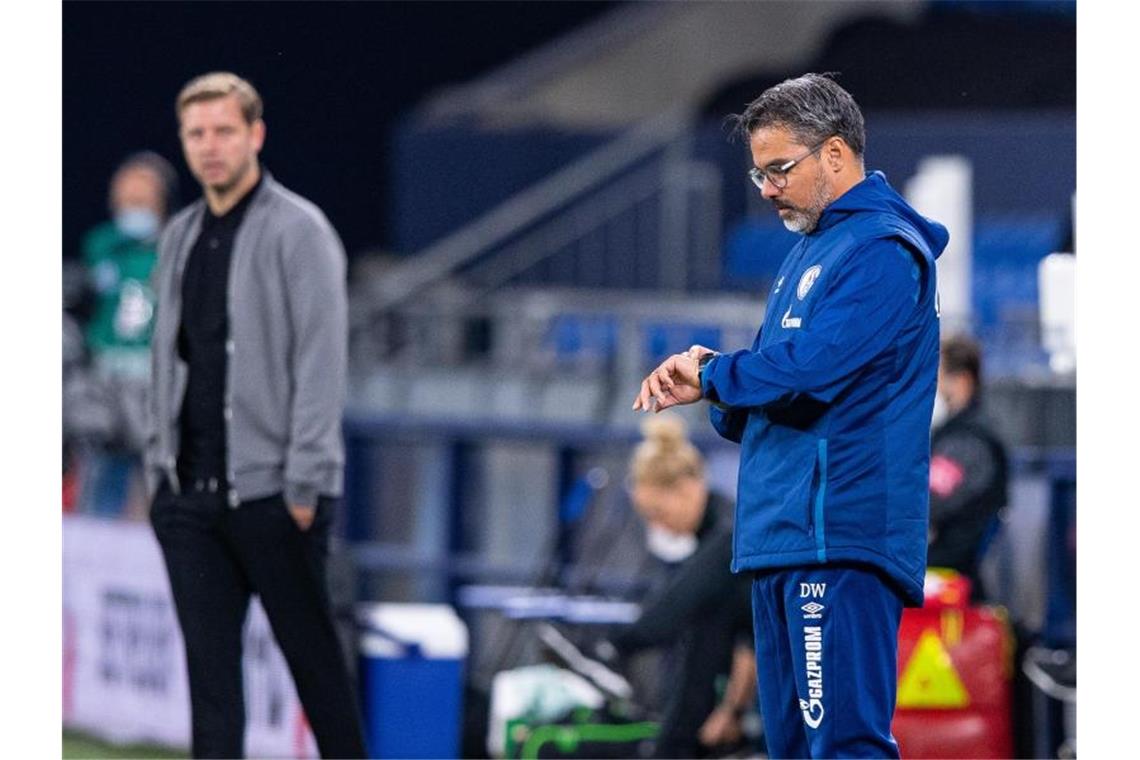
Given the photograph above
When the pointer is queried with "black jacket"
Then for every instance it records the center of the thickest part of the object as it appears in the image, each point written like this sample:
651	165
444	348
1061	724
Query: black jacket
969	472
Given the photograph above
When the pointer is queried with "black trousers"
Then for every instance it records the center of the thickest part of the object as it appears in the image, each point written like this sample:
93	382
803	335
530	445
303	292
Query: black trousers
704	657
216	557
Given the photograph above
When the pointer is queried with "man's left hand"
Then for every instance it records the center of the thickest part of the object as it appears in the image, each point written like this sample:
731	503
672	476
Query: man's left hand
676	381
303	515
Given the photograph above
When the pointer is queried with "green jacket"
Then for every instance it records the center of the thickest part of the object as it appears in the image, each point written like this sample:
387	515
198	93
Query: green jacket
119	270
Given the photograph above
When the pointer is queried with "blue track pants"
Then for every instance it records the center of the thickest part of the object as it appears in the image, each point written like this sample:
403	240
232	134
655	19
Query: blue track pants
826	661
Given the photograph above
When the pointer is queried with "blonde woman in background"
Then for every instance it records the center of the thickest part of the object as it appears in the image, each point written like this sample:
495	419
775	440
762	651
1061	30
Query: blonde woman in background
704	610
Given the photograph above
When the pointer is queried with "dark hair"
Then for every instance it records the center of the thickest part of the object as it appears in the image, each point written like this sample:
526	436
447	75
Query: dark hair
812	107
961	354
157	165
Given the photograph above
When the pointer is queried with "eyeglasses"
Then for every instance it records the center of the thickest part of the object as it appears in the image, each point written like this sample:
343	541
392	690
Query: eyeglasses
777	176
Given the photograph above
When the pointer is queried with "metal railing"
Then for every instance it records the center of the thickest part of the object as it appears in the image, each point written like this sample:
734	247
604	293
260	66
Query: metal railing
637	213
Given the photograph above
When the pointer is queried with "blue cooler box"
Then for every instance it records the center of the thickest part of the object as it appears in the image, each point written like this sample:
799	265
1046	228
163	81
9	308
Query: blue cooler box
411	679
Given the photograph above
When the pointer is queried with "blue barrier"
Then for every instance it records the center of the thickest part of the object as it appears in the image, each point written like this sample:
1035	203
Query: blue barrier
452	561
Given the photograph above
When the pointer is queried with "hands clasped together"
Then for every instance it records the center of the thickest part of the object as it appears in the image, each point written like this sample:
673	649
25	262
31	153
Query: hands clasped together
676	381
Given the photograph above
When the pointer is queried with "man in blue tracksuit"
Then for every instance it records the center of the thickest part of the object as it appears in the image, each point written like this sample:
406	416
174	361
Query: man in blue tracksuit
832	407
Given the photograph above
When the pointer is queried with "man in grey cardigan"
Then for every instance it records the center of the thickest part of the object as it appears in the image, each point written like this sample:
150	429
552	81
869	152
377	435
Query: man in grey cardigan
245	456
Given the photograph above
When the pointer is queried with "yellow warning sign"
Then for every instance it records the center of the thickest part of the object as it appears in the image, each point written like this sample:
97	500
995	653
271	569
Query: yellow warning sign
929	679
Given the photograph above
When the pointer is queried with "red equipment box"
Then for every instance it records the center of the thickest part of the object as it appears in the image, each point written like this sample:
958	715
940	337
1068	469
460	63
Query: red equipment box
955	673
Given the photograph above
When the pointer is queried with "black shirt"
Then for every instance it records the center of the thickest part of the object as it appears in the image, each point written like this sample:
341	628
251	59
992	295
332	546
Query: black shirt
202	337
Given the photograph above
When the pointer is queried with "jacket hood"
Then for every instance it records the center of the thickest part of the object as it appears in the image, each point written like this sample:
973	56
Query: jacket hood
875	195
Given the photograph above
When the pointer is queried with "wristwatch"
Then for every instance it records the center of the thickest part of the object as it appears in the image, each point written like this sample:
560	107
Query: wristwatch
701	364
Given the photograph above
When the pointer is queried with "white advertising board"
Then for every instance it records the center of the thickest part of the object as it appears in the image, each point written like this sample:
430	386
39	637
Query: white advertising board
124	669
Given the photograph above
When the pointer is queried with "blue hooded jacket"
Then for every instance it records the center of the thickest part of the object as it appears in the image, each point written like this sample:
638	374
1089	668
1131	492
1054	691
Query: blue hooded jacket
832	403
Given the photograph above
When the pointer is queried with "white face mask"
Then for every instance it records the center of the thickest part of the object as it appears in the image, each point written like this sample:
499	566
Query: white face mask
137	223
669	546
941	411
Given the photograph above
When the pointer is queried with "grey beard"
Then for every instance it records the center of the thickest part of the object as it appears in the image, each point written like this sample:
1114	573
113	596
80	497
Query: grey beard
804	221
800	221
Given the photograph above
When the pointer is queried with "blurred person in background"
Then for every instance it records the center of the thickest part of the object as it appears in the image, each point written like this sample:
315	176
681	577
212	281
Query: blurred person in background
968	465
119	255
703	612
248	388
832	406
110	304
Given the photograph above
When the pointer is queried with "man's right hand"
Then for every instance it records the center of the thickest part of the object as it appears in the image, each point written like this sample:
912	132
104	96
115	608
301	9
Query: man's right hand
674	382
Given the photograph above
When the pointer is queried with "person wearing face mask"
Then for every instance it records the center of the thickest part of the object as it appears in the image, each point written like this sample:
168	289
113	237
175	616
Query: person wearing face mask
968	465
703	611
119	255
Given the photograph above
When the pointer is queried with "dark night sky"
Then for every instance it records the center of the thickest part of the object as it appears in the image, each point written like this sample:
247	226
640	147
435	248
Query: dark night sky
334	76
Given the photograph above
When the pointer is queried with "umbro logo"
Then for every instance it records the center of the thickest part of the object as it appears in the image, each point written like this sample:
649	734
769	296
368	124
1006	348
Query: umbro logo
812	608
